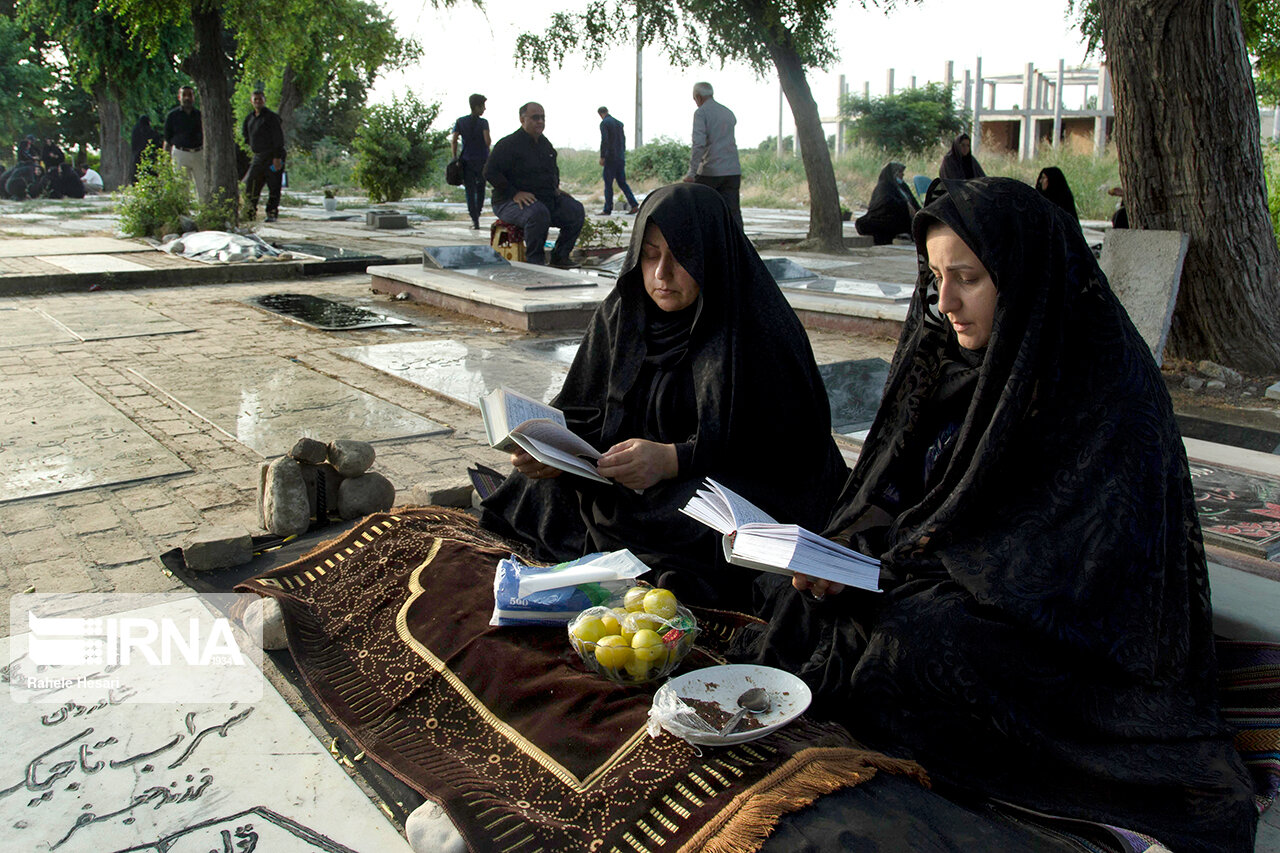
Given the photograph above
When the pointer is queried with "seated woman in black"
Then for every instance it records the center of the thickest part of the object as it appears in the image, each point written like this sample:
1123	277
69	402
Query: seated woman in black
1044	635
891	208
959	163
1053	185
694	366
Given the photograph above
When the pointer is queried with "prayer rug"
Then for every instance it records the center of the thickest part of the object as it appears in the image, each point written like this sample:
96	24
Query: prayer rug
524	748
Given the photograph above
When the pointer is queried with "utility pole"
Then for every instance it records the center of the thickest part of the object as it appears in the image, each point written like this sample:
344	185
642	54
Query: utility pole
638	139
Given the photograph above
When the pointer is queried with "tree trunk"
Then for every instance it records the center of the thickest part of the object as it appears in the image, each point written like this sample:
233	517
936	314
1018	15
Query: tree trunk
826	231
114	167
1190	160
290	100
209	68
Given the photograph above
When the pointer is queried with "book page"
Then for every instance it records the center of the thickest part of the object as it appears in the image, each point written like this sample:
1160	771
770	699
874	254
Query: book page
520	408
740	509
557	435
556	456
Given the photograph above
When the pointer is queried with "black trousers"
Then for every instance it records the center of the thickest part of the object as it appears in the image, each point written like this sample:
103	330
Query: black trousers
473	183
727	186
260	172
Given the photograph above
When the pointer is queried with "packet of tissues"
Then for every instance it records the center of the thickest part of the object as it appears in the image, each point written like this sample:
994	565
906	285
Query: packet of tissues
553	595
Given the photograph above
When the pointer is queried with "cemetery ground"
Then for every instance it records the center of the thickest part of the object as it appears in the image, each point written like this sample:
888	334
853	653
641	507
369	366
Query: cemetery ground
135	416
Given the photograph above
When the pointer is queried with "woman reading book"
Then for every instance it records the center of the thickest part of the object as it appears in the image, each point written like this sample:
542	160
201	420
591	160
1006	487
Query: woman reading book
1044	636
694	365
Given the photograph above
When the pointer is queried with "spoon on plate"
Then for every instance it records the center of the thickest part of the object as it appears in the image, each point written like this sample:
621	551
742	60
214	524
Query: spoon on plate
755	700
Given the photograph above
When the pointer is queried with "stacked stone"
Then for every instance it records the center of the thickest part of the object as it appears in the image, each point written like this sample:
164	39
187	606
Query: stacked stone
316	481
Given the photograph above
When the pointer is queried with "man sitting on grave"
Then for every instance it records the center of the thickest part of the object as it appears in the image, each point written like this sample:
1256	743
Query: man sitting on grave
526	189
1044	635
694	366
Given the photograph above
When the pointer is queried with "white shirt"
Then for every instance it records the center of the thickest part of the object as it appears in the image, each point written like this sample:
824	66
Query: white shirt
92	181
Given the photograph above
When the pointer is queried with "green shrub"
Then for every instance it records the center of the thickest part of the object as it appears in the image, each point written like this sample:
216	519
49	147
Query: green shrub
664	158
217	214
913	120
603	234
396	148
157	199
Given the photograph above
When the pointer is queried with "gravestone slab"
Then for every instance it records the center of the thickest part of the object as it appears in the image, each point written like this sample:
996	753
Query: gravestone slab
92	263
853	391
386	219
267	403
785	269
60	436
181	777
329	253
528	277
875	291
462	257
320	313
1144	269
1238	511
559	350
464	371
69	246
25	327
109	316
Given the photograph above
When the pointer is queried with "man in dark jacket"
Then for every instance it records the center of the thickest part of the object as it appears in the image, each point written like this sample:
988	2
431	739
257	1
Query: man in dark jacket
265	138
613	158
526	189
184	137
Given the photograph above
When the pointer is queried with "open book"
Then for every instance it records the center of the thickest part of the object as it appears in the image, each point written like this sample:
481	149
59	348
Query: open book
753	539
513	420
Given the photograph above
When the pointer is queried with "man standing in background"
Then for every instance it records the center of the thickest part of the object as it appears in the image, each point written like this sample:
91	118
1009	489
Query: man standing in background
184	137
265	137
613	157
714	158
475	151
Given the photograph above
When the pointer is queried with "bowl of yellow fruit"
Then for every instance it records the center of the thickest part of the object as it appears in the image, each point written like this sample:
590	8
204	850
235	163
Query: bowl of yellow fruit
639	636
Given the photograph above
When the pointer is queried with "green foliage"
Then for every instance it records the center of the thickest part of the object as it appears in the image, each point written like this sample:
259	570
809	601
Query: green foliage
1271	170
153	204
912	120
22	80
770	144
219	213
396	147
331	116
664	158
603	234
325	164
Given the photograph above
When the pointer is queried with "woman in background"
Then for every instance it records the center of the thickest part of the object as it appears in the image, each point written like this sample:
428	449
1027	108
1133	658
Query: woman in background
891	208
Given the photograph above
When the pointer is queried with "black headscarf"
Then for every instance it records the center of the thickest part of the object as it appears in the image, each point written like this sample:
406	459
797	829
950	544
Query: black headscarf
1045	635
731	381
1058	191
957	166
891	207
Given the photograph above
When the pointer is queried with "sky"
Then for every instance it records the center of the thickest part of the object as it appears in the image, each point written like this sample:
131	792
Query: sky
466	50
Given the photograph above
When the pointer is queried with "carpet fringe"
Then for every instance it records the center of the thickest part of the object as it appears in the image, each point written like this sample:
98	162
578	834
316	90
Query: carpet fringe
751	817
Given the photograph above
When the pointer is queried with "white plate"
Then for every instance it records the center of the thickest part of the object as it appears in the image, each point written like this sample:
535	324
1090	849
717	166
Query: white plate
788	698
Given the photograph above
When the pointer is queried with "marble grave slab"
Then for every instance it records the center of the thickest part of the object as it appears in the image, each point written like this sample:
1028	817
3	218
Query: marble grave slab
69	246
268	403
58	436
1144	269
464	371
853	390
215	777
876	291
463	258
92	263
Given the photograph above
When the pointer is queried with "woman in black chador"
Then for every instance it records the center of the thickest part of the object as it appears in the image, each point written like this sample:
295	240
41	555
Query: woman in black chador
1044	635
959	164
891	208
694	366
1052	184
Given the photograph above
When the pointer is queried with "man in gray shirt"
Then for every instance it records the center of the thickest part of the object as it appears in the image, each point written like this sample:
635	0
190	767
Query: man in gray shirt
714	159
